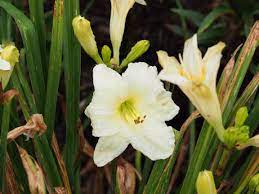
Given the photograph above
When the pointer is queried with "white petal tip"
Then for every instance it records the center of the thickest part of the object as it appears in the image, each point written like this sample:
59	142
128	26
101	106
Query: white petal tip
142	2
4	65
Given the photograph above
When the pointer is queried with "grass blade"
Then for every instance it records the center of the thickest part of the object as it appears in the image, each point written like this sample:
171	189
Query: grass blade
3	145
72	68
54	67
212	16
37	17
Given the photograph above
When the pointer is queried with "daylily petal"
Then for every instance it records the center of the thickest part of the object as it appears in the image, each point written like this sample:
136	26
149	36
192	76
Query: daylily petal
110	90
107	80
174	78
192	59
211	63
206	101
104	120
166	108
152	97
142	2
142	79
154	139
171	69
109	148
169	63
4	65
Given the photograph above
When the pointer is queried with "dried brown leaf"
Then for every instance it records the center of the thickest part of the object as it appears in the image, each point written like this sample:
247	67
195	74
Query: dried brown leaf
34	173
11	184
60	190
126	178
34	125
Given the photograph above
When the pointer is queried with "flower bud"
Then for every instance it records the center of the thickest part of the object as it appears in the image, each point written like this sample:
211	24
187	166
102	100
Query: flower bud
119	12
205	183
84	34
236	135
9	56
106	54
136	51
241	116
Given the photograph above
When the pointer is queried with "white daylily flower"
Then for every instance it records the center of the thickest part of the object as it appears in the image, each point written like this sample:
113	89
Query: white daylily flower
131	109
196	76
119	12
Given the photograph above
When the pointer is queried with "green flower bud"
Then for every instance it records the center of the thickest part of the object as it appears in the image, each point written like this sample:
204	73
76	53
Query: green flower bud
205	183
136	51
106	54
236	135
241	116
253	185
84	34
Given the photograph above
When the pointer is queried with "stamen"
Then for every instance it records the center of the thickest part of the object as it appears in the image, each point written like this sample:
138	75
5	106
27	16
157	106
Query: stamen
128	111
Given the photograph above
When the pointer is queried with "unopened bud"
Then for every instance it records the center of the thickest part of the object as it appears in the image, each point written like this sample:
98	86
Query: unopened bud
84	34
106	54
136	51
205	183
241	116
236	135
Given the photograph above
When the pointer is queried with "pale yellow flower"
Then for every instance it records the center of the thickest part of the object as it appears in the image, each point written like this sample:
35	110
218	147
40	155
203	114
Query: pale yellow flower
196	76
119	12
131	109
9	56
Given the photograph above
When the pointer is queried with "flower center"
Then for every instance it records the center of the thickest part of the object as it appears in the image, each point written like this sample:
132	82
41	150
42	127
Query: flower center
129	112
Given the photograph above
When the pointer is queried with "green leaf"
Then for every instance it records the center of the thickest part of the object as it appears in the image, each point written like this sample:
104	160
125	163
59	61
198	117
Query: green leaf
72	70
54	68
37	17
193	16
212	16
3	143
159	178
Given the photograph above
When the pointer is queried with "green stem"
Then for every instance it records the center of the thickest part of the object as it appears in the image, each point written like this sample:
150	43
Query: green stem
223	161
192	134
145	174
138	161
3	145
